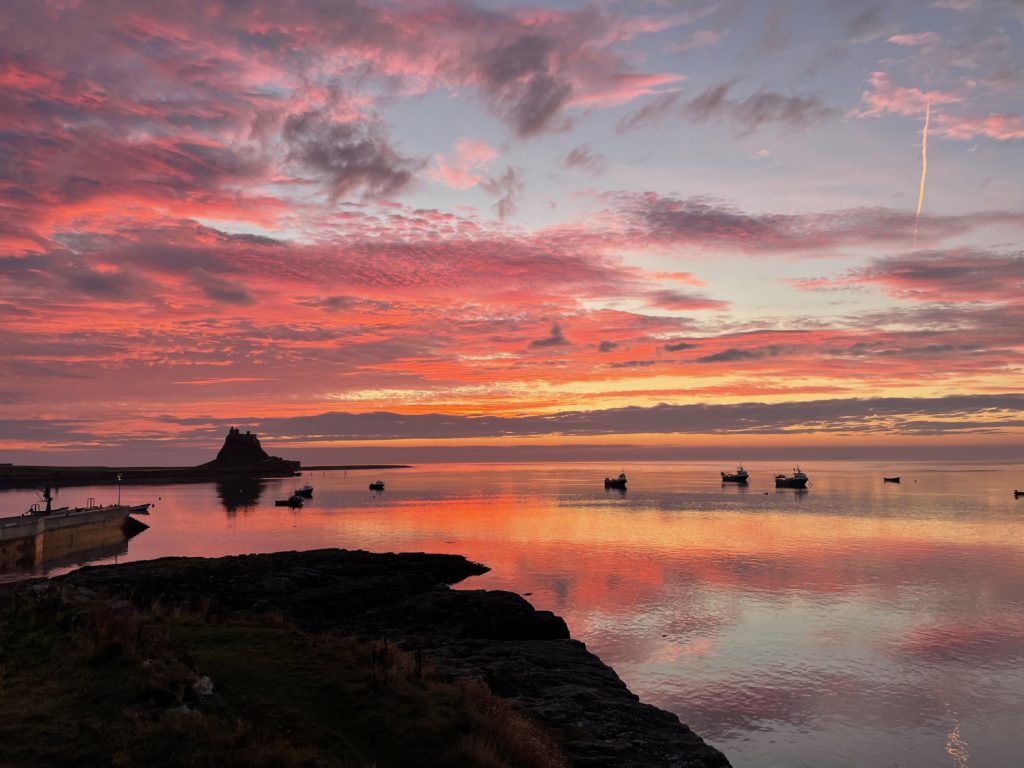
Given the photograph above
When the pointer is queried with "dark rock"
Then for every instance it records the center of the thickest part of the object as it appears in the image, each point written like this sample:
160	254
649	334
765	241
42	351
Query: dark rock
492	615
241	449
522	654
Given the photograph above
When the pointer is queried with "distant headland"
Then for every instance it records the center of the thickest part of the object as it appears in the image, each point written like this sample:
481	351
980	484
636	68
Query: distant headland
240	456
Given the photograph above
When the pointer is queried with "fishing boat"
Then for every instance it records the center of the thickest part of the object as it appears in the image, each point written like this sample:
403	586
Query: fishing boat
797	480
293	501
739	476
377	485
890	479
139	509
305	491
1018	494
616	482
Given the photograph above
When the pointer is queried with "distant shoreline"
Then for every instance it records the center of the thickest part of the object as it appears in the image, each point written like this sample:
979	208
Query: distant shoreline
325	467
31	476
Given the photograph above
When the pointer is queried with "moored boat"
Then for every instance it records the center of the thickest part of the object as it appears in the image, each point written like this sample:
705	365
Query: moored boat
293	501
616	482
890	479
1018	494
739	476
139	509
797	480
377	485
305	491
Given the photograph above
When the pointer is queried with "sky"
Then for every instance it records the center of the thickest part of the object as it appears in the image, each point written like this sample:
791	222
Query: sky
484	229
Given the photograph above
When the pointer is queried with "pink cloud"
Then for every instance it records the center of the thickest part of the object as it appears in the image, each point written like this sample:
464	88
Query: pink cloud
622	88
464	169
663	220
529	67
129	126
684	278
916	39
950	276
700	39
884	97
998	127
683	302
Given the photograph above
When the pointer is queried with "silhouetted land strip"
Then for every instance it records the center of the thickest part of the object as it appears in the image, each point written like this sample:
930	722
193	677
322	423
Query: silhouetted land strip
30	476
317	658
356	466
241	456
25	476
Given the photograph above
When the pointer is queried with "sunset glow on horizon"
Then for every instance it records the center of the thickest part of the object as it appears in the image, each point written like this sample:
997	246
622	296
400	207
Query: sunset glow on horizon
442	224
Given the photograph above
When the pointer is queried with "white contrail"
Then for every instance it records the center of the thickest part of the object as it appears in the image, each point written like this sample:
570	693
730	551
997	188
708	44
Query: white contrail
924	166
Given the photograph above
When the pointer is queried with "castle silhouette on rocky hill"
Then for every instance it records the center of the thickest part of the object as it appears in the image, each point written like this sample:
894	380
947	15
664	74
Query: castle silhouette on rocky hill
241	456
243	452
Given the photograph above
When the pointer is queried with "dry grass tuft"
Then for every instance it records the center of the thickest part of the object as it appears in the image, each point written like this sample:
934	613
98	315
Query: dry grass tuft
505	735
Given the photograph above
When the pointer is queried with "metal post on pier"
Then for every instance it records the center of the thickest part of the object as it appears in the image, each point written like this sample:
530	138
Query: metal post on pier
119	476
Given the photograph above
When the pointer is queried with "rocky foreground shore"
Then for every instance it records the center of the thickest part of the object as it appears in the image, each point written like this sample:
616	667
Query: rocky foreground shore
523	655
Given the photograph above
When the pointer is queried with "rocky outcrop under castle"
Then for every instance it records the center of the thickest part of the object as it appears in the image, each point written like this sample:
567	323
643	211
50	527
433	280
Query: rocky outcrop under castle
524	655
243	452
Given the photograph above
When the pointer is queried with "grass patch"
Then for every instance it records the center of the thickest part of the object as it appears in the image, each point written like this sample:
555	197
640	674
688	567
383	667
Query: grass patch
96	682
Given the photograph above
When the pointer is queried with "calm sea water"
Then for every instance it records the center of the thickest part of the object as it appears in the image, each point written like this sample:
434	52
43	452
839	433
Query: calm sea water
857	623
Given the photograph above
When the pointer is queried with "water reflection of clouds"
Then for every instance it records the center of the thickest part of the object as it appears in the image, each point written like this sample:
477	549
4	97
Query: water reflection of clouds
866	568
825	624
648	639
676	602
695	590
756	702
795	697
996	642
689	630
